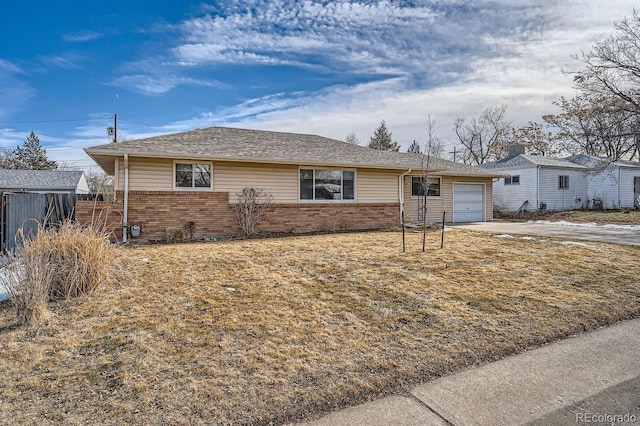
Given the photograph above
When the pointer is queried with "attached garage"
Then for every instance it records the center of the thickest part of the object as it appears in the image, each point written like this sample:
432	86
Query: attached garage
468	202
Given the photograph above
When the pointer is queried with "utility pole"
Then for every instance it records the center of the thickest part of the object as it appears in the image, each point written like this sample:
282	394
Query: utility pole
113	130
454	153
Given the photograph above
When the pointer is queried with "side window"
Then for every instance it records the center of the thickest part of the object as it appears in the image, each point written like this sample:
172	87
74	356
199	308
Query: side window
513	180
192	176
563	182
419	185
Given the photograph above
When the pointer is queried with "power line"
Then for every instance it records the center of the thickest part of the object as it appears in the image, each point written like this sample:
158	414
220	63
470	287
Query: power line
136	122
71	120
51	121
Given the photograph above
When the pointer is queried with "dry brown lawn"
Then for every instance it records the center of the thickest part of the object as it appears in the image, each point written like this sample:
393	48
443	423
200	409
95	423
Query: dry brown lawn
278	330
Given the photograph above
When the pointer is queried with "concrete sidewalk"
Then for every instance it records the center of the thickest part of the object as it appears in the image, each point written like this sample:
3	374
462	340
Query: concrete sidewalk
587	379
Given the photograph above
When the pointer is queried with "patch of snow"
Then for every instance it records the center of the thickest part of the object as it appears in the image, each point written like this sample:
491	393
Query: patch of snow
564	223
629	227
586	225
144	260
528	238
231	289
3	291
573	243
503	236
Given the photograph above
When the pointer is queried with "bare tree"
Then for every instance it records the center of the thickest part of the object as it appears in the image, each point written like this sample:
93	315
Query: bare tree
63	165
481	136
533	137
252	207
433	143
5	158
612	66
597	125
100	184
352	138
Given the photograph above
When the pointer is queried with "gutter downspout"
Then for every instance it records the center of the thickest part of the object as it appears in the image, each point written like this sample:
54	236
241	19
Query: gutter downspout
125	207
401	190
619	182
538	188
116	176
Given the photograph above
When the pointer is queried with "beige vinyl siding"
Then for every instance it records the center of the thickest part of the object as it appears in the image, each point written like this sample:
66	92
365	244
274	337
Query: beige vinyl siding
436	205
279	180
376	186
147	174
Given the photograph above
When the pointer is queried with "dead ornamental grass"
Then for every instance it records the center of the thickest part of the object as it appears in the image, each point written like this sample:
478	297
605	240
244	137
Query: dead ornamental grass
59	262
260	331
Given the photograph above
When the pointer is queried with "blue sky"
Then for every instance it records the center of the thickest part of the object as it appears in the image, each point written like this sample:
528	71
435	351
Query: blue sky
327	68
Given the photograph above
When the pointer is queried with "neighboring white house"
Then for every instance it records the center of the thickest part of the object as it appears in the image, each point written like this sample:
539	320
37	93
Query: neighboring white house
44	181
611	185
581	181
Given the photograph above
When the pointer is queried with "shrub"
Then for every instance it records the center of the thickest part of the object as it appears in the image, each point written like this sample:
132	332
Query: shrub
251	208
174	234
59	263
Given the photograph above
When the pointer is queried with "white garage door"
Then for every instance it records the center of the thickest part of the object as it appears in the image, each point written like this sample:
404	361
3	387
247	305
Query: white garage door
468	202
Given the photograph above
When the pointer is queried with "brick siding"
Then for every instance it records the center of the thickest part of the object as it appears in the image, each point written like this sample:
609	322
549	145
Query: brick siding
211	213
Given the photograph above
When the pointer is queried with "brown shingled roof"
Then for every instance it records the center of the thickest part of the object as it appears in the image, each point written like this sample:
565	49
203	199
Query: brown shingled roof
260	146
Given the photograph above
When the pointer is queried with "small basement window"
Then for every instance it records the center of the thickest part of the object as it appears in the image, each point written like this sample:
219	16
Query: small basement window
513	180
419	184
192	176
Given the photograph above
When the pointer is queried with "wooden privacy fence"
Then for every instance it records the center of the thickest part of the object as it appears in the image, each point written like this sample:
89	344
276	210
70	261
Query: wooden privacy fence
27	211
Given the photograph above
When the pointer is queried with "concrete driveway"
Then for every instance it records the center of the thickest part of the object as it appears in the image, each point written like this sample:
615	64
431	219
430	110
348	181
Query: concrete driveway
589	233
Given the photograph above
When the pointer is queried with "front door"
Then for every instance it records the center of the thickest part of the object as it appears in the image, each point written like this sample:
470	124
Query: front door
636	191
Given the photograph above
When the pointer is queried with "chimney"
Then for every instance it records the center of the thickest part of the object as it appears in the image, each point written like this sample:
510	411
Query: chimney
515	149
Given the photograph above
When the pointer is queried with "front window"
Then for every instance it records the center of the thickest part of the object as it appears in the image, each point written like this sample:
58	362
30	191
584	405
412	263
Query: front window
192	175
563	182
420	186
324	185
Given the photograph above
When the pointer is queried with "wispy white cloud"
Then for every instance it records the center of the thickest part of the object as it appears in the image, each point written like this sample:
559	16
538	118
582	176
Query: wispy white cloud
453	59
9	67
381	37
159	84
14	88
66	61
81	37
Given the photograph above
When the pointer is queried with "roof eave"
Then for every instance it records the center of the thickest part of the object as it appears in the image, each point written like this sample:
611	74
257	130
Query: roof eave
96	153
93	153
476	175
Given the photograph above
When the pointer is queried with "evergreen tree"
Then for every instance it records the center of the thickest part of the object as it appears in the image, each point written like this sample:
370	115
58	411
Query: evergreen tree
31	156
414	148
381	139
